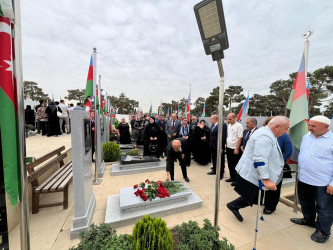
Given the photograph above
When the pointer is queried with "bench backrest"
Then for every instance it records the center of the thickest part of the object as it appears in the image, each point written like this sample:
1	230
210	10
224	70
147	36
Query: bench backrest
34	174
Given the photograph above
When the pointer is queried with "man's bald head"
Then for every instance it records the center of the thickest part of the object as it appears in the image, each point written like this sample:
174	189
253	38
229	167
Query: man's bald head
176	144
279	125
173	116
231	118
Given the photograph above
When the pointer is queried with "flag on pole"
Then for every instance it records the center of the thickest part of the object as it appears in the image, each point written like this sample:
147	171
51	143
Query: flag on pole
178	111
8	111
204	110
89	87
188	107
298	105
245	108
168	115
6	9
150	111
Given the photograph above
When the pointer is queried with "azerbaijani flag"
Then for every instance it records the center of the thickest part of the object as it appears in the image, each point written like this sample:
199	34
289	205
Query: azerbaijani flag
188	107
168	115
6	9
89	86
97	101
204	111
298	105
178	111
245	108
150	111
8	113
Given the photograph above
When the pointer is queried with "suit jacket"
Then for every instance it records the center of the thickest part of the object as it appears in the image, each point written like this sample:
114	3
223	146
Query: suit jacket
170	131
172	155
245	139
213	137
262	147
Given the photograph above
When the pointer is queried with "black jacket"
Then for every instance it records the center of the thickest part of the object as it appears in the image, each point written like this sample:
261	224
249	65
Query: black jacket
213	137
173	155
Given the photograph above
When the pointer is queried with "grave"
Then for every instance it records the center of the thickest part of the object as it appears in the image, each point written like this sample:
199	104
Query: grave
84	197
126	208
137	164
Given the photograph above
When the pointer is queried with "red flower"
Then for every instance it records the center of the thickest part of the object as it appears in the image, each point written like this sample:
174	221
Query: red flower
145	198
168	195
136	185
160	195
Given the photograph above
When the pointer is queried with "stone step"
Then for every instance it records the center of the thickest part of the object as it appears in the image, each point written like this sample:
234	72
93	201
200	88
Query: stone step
118	169
117	217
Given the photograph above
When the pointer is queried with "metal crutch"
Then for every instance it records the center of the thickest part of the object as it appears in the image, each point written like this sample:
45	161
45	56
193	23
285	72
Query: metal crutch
261	185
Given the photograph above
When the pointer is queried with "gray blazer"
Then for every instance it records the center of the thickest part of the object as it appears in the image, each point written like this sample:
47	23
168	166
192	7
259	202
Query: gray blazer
169	130
261	147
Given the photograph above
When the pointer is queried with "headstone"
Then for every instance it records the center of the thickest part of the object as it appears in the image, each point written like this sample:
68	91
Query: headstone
99	146
84	197
126	208
107	129
137	164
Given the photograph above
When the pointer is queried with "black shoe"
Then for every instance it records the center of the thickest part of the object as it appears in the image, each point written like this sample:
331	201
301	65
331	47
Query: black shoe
221	177
233	184
302	221
93	160
319	237
187	179
211	173
267	211
235	212
229	180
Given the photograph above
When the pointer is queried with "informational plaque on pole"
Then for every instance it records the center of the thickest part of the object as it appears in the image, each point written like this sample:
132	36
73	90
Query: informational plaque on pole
84	197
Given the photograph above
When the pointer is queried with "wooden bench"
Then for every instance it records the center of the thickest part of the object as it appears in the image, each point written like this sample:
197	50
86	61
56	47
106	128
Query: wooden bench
57	182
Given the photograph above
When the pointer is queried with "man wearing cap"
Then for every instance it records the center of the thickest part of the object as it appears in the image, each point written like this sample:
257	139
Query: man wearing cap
315	175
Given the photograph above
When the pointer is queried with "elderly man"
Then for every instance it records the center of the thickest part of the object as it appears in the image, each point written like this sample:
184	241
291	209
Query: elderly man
251	126
177	149
315	175
263	152
234	140
172	128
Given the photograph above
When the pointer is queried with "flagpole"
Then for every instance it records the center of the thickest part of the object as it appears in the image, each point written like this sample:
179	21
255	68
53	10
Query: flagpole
24	205
95	181
219	144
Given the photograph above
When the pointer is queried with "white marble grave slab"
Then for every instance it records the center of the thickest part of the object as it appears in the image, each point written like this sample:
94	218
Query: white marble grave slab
118	169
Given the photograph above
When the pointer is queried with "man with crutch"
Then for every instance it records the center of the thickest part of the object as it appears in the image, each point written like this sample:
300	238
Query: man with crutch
262	160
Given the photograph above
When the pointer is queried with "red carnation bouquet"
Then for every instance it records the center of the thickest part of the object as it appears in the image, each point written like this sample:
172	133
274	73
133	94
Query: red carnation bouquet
151	189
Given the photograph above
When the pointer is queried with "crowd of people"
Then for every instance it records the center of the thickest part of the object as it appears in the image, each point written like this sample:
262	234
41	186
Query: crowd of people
50	119
253	154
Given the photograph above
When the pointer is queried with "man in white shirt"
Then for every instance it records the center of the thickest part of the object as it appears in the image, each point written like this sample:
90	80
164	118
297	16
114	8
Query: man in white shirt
64	117
234	140
315	175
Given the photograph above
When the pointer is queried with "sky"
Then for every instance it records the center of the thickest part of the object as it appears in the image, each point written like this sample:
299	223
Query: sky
151	50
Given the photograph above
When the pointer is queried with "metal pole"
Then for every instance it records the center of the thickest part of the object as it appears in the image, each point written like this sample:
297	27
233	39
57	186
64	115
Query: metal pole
23	206
95	111
219	144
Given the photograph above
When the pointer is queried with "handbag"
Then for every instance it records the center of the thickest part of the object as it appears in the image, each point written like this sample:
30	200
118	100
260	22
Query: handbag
153	148
59	114
287	171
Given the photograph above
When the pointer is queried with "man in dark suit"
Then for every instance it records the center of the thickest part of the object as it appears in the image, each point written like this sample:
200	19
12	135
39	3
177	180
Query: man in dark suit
173	128
213	144
251	125
177	149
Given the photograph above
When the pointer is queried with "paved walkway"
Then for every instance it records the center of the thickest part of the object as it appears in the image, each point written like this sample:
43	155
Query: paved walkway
49	229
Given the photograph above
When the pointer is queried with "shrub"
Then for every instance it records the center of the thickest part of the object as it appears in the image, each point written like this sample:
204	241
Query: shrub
152	233
111	151
121	242
133	152
191	236
30	127
95	237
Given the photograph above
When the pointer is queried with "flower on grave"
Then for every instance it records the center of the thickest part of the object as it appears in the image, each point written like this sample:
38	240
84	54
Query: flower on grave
135	186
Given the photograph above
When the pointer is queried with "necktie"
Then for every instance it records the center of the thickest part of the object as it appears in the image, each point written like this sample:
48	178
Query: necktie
247	135
173	124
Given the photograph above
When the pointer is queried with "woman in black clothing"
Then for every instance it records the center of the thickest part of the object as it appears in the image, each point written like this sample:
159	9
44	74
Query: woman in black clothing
138	128
201	141
53	127
153	139
123	132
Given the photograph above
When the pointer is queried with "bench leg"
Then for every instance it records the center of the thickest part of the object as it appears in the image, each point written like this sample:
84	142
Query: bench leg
66	198
35	203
